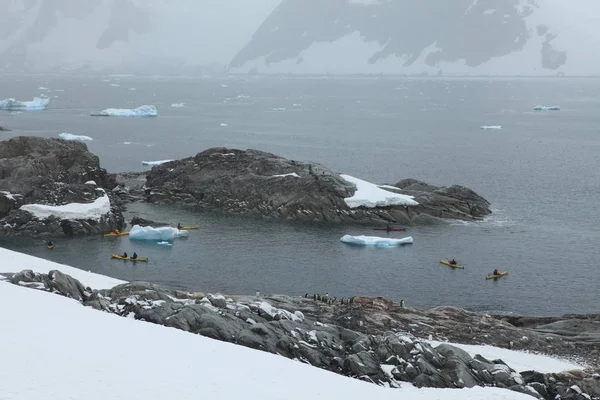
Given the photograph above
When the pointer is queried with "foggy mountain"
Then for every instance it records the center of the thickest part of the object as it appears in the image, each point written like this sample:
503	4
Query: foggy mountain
128	35
463	37
458	37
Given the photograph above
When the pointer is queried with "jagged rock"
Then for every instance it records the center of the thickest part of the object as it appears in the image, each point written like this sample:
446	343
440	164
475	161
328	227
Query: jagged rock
66	285
3	129
146	222
217	300
255	182
37	170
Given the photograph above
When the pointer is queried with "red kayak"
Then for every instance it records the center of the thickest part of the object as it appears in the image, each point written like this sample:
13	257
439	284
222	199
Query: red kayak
385	228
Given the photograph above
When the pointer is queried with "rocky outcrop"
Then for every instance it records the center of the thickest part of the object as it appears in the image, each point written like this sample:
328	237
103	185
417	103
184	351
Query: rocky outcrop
3	129
367	338
51	172
259	183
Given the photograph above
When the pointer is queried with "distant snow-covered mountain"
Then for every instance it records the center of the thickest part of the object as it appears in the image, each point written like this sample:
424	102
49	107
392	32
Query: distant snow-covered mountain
41	35
458	37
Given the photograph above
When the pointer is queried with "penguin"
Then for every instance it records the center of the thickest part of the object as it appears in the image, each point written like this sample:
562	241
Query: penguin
333	300
351	300
401	303
306	296
314	296
318	297
258	293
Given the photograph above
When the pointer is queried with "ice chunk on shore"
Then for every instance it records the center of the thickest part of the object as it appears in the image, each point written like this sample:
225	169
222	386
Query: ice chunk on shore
95	210
370	195
178	105
162	234
375	241
142	111
293	174
486	127
159	162
76	138
546	108
37	103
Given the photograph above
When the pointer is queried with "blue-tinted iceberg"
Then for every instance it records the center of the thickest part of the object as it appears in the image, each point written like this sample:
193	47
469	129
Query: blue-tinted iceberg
487	127
142	111
546	108
375	241
162	234
76	138
37	103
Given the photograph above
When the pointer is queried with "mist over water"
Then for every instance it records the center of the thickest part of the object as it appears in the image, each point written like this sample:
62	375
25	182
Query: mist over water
538	171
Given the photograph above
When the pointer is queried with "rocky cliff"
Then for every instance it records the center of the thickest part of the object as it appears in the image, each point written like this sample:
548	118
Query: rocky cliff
368	338
259	183
35	170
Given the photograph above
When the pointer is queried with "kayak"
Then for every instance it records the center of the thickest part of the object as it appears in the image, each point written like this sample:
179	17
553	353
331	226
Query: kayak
389	229
451	265
50	247
119	257
500	275
187	228
116	234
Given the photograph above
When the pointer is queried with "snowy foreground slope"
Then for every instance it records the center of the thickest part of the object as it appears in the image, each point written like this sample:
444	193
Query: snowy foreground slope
458	37
58	349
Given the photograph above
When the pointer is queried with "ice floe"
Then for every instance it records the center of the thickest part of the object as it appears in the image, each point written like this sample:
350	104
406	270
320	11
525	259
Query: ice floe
178	105
375	241
38	103
76	138
159	162
224	124
370	195
161	234
546	108
486	127
142	111
278	109
95	210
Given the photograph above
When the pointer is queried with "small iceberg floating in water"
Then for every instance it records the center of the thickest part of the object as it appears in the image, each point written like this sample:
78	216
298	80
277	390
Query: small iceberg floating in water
159	162
75	138
162	234
178	105
164	243
546	108
142	111
375	241
37	103
486	127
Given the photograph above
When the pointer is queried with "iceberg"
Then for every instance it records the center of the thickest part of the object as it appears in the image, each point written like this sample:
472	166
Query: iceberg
546	108
178	105
37	103
486	127
142	111
162	234
370	195
76	138
94	211
155	162
375	241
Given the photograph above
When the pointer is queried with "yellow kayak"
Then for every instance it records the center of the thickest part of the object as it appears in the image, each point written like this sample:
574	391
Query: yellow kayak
187	228
50	246
119	257
500	275
451	265
116	234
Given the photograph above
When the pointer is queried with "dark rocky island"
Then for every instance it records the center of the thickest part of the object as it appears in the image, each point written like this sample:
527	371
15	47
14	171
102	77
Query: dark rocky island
368	338
52	172
259	183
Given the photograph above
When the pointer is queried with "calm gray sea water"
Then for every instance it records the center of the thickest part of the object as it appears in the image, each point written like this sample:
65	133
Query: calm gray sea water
539	172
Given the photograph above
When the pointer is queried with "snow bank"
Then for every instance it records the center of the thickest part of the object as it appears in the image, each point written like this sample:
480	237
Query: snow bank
37	103
375	241
517	360
546	108
11	261
142	111
77	138
370	195
95	210
180	365
155	162
162	234
486	127
293	174
178	105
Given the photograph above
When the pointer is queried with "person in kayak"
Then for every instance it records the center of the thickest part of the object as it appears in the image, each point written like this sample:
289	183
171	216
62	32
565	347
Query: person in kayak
125	255
452	262
116	231
496	272
134	256
49	243
179	225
